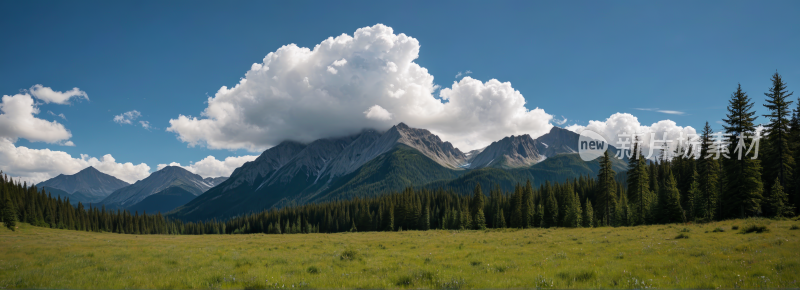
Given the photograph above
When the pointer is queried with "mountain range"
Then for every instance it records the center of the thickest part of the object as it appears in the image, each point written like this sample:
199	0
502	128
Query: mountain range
365	164
371	163
87	186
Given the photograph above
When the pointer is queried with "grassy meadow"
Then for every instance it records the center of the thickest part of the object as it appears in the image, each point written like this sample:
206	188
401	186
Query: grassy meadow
710	255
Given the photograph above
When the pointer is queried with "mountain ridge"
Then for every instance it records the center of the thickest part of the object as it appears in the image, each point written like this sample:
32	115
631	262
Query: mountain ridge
87	186
170	176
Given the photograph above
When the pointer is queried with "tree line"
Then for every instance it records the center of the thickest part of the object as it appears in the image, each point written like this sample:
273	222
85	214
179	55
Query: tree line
689	185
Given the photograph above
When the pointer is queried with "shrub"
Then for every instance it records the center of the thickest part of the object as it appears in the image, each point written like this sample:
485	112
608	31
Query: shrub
580	276
312	270
685	230
718	230
349	255
682	236
795	227
755	229
735	227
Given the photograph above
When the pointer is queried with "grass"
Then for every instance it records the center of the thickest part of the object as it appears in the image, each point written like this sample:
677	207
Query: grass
630	257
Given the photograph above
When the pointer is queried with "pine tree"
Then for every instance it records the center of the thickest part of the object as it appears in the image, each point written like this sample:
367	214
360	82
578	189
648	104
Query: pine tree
693	210
793	190
426	219
572	218
744	187
778	159
588	215
478	200
464	221
527	205
9	214
606	198
638	187
502	219
479	223
778	201
550	218
671	210
706	201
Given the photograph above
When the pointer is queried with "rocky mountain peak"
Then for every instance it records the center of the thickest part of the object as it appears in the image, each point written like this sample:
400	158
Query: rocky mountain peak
511	152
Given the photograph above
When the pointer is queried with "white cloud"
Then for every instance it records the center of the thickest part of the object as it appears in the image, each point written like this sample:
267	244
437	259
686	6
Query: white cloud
37	165
211	167
624	123
293	95
468	72
145	124
61	115
671	112
458	74
560	122
18	121
378	113
48	95
127	117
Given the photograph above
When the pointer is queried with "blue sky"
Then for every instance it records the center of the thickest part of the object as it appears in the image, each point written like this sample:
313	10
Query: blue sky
580	60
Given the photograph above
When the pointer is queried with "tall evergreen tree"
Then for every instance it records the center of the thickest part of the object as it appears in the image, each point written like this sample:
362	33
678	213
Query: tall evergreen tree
607	196
672	212
778	201
479	223
527	205
588	214
778	159
638	186
708	168
693	210
743	187
9	214
550	218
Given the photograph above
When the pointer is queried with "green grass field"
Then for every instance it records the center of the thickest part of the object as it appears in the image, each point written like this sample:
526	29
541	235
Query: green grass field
631	257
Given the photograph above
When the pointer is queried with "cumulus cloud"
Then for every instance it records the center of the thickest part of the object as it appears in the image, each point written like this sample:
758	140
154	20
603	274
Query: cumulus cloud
48	95
378	113
127	117
348	83
18	120
37	165
145	124
624	123
211	167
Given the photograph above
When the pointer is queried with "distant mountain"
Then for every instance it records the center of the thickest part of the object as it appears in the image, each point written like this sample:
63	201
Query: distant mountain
372	163
170	176
317	169
87	186
163	201
557	168
558	141
510	152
